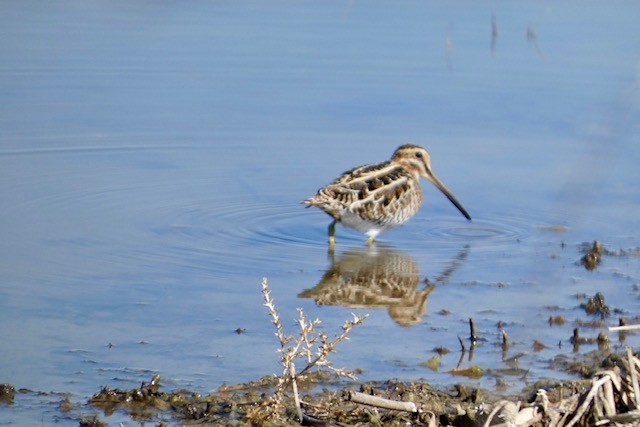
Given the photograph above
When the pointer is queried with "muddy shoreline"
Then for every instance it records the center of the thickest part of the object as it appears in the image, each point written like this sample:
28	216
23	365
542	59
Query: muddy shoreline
329	400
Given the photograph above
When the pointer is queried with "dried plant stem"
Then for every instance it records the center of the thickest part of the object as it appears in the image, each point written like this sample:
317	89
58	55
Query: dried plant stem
588	400
634	378
296	397
610	407
380	402
314	347
624	328
495	410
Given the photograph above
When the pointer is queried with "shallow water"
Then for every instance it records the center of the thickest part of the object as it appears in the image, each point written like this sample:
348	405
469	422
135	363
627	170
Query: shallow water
153	157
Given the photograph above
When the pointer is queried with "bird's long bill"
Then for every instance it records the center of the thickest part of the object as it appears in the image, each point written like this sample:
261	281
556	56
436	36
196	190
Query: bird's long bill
447	193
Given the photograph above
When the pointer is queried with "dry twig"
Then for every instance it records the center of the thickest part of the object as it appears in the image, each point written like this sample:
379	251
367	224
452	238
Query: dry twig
314	347
624	328
380	402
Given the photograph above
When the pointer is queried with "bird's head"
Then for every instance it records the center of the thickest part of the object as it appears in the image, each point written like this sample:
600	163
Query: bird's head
416	160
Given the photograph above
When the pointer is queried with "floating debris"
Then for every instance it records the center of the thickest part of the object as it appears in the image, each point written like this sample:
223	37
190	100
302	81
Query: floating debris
576	339
65	405
433	363
93	421
593	253
603	341
538	346
7	393
597	305
591	323
441	351
592	256
472	372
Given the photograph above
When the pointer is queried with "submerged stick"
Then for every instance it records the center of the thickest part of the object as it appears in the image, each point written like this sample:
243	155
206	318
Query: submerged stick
380	402
505	340
473	337
576	336
462	346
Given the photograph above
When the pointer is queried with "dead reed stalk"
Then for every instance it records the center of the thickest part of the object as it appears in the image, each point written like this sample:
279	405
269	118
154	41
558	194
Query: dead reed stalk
613	399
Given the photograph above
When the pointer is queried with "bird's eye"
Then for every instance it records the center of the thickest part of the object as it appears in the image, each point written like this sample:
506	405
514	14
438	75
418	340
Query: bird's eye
419	155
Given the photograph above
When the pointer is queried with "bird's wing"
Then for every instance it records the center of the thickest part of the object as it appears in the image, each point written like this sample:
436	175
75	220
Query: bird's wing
388	191
366	191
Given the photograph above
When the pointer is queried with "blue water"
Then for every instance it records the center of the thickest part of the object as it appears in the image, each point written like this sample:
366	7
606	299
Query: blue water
153	157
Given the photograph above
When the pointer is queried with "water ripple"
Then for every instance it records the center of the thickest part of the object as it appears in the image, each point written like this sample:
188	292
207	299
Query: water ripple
488	231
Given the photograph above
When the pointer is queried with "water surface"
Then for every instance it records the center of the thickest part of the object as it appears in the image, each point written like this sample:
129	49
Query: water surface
153	157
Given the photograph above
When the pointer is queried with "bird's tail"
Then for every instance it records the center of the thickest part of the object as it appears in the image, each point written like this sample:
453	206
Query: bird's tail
312	201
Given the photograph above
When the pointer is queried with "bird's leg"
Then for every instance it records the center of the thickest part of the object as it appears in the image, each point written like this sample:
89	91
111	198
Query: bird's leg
332	234
370	241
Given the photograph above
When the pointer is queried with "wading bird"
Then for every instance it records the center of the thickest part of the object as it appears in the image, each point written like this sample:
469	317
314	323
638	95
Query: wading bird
374	198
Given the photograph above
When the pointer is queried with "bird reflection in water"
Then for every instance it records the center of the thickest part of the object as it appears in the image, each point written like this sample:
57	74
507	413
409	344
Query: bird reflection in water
379	277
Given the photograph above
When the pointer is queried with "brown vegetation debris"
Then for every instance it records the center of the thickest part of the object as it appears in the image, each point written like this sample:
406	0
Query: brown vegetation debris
7	393
592	255
597	305
538	346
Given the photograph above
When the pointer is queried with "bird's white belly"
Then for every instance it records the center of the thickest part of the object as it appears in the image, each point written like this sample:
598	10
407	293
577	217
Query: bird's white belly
349	219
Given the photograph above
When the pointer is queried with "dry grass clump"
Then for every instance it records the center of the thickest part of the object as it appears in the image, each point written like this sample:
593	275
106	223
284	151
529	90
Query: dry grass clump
310	346
613	399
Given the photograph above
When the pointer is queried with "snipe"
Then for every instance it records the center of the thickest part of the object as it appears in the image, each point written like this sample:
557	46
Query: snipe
374	198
